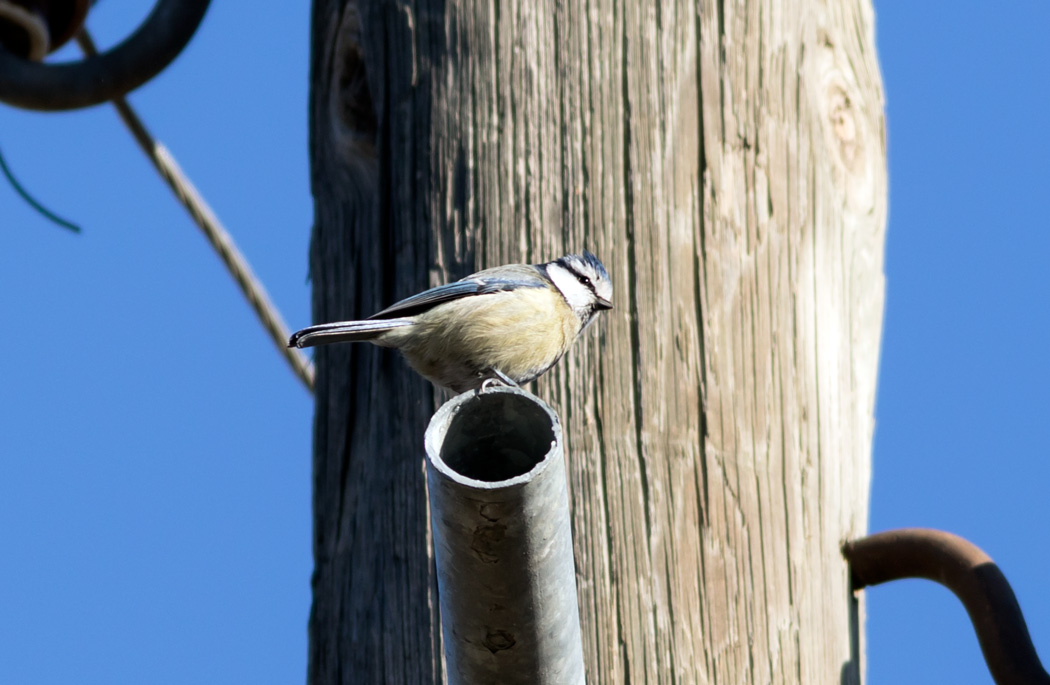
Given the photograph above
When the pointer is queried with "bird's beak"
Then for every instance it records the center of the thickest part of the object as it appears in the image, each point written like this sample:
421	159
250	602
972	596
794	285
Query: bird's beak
603	303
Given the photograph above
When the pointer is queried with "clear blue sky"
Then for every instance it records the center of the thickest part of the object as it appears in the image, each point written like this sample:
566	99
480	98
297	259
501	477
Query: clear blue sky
155	451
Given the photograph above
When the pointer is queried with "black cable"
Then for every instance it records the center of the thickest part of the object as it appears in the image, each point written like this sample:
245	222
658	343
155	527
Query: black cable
32	201
113	73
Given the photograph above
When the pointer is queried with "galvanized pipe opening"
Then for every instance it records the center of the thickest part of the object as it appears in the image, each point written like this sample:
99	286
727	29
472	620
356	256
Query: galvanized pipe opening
503	543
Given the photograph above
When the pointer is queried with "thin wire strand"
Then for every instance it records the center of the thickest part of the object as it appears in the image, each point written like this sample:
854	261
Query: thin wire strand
213	229
31	201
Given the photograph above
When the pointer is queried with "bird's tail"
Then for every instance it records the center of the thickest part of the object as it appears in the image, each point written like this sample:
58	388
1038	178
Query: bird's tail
344	331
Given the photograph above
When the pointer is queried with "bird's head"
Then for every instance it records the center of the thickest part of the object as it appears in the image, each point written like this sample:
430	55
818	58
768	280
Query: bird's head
584	282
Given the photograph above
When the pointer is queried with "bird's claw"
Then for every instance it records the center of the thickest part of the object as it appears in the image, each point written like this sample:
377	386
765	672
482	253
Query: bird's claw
497	377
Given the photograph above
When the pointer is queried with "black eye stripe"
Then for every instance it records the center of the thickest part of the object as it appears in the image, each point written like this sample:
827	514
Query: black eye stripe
579	271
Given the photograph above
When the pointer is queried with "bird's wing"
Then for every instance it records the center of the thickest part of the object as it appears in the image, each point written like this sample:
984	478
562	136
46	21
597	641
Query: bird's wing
482	283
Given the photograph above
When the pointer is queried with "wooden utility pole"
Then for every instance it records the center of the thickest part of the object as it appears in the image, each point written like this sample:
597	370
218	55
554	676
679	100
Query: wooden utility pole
726	160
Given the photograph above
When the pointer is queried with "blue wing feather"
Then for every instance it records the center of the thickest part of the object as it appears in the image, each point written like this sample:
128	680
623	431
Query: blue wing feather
480	283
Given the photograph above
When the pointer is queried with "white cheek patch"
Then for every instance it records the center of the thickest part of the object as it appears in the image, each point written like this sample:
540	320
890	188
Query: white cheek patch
576	294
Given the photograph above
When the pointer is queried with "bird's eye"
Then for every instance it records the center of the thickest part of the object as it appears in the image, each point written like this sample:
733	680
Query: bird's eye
584	280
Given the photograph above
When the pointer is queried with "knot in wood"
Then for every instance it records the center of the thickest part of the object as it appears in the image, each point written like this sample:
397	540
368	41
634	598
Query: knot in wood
350	96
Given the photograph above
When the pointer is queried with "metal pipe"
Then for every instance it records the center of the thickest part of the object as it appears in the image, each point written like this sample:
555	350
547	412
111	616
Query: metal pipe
119	70
500	518
975	579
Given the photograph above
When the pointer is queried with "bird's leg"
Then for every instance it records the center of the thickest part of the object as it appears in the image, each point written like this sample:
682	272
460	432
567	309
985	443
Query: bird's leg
498	377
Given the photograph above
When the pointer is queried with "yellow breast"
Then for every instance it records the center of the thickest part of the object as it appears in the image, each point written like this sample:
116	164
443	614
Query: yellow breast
521	333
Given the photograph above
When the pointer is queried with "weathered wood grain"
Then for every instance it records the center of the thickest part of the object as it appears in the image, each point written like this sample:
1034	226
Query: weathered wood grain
726	160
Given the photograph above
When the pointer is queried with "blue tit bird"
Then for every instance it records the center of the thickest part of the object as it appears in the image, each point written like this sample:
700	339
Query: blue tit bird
510	323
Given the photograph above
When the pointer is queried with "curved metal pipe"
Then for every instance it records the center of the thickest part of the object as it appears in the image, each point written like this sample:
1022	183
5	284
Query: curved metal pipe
975	579
119	70
500	518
